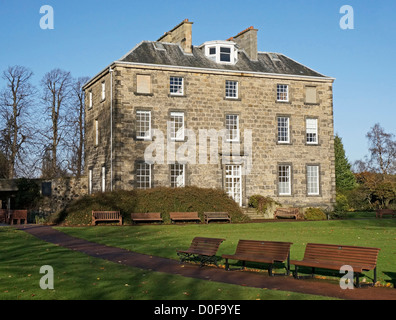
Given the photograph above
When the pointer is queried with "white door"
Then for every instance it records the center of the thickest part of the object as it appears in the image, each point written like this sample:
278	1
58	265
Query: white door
233	182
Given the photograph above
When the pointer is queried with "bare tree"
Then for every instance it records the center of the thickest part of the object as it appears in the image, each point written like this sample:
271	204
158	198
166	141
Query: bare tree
16	100
56	86
77	127
382	150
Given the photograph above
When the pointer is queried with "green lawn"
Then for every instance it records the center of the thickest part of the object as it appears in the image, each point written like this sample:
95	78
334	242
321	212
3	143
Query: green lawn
162	240
81	277
78	276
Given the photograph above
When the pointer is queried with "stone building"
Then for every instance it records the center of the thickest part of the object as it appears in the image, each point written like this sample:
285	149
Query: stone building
218	115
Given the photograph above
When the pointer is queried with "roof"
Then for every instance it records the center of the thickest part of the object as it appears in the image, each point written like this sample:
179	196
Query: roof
170	54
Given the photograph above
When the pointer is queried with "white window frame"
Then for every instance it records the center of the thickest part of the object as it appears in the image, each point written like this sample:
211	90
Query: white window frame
212	56
231	121
90	99
311	136
103	90
284	180
233	182
228	53
177	175
281	90
218	46
231	89
103	179
90	174
142	174
96	132
176	86
141	124
313	187
176	135
281	123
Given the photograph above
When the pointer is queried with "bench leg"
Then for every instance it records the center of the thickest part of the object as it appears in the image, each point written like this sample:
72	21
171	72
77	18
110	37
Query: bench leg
183	257
227	266
288	264
357	284
375	276
295	273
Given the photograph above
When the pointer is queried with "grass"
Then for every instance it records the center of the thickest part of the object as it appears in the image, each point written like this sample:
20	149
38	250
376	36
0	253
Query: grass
162	240
81	277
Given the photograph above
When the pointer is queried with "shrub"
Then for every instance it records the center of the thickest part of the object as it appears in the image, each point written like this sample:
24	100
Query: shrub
28	194
341	203
315	214
261	203
159	199
358	199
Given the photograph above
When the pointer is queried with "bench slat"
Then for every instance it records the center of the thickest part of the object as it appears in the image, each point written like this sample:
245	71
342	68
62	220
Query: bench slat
287	212
216	216
149	216
328	256
106	216
203	248
184	216
381	212
261	251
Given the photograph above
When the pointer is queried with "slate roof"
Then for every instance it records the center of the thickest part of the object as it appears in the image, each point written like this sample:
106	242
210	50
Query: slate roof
169	54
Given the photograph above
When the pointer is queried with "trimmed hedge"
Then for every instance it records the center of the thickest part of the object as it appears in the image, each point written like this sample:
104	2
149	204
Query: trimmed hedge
161	199
315	214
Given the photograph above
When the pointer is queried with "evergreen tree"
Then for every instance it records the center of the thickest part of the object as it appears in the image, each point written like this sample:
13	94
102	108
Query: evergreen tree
345	179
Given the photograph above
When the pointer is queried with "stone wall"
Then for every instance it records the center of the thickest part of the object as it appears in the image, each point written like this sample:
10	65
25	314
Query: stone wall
205	106
63	191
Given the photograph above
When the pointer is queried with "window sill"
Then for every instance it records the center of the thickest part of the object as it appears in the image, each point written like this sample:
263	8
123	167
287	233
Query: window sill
177	140
233	141
312	144
232	99
177	95
281	101
284	143
143	94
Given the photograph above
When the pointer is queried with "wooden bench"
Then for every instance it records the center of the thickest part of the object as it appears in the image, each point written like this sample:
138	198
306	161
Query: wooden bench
3	216
381	212
106	216
201	249
268	252
146	217
18	215
333	257
224	216
287	213
184	216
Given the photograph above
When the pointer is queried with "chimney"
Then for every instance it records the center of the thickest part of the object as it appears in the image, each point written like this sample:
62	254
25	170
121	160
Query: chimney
247	40
181	34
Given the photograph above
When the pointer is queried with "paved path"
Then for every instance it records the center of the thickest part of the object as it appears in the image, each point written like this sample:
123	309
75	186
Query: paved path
245	278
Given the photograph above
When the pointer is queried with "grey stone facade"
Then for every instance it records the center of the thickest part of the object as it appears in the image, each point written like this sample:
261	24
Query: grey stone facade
283	163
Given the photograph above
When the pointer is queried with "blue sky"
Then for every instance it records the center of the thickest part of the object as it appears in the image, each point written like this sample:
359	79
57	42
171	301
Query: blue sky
89	34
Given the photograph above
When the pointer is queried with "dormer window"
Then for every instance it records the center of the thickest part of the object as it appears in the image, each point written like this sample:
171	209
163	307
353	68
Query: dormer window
221	51
225	54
